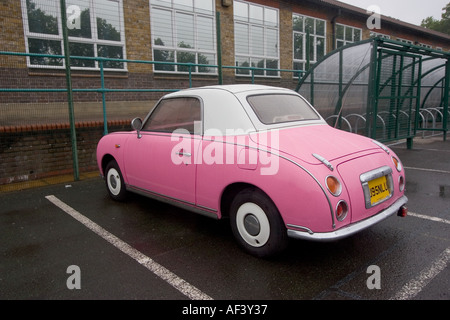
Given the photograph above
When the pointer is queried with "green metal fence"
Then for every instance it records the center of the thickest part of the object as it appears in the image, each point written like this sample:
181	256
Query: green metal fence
32	103
383	89
376	88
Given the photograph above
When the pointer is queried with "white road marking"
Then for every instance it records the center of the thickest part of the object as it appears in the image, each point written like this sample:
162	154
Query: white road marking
422	216
168	276
413	287
428	170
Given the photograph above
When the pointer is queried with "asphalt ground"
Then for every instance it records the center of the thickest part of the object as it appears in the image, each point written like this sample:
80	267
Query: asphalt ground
70	241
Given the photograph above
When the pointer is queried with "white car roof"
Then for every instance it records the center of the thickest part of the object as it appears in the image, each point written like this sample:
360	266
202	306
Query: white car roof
232	88
225	108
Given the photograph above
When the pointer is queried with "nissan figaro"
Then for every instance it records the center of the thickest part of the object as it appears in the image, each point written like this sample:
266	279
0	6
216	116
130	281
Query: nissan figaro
261	156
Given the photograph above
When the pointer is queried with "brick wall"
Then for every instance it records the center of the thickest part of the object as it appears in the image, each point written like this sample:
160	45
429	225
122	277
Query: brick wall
137	33
41	151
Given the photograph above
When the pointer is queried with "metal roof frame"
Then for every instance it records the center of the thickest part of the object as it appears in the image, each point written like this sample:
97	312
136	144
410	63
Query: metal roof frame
357	64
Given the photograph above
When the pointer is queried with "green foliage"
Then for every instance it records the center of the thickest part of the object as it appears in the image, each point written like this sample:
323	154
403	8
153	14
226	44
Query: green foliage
442	25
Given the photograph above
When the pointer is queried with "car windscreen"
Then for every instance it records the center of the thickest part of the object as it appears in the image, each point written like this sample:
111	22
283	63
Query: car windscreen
280	108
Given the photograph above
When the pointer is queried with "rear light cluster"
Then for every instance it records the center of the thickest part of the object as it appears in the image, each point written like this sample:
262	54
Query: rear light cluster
341	210
334	186
401	183
397	164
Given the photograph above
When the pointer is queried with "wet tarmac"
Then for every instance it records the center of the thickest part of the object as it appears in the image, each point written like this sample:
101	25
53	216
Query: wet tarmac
95	248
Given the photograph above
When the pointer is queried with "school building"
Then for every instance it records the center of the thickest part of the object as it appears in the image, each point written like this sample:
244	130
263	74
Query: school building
266	34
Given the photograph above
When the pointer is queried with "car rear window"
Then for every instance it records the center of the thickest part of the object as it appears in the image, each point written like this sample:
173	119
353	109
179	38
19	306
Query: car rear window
279	108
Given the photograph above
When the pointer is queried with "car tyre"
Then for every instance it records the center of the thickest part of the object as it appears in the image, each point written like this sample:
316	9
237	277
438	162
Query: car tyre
257	224
114	181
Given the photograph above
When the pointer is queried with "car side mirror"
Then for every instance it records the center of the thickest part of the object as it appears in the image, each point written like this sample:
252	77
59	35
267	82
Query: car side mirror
136	124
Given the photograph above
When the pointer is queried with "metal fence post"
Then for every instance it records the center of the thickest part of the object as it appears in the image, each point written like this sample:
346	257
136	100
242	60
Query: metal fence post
102	81
372	92
308	50
446	99
73	133
219	48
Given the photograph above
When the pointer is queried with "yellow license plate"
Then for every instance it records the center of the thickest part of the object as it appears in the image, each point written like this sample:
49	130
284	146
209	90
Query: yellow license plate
379	189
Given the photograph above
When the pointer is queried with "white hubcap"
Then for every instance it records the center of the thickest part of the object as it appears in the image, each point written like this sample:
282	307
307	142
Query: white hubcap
113	179
252	224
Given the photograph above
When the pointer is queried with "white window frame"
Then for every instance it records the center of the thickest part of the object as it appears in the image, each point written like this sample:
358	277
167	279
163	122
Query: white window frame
315	58
345	41
374	34
405	41
196	12
426	46
251	57
59	37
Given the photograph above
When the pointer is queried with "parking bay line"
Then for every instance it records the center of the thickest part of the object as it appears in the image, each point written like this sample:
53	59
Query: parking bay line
413	287
428	170
181	285
422	216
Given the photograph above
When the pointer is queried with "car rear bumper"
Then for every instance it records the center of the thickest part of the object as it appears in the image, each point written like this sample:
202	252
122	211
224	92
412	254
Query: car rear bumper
306	234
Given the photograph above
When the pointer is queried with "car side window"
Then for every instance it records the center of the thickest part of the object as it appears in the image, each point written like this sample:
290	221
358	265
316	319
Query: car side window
175	114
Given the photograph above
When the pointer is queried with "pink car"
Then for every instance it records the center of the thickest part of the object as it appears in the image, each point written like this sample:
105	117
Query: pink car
261	156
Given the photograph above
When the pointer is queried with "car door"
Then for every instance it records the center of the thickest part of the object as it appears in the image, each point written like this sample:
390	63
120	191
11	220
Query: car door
160	159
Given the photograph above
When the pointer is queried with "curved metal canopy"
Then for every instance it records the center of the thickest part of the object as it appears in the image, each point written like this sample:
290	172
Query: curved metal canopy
381	88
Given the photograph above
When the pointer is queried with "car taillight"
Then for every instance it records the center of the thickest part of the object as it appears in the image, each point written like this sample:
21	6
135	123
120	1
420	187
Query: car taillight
401	183
334	185
397	164
341	210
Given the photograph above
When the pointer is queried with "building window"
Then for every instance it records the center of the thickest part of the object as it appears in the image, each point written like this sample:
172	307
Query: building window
95	29
256	30
427	46
405	41
183	31
315	48
346	34
374	34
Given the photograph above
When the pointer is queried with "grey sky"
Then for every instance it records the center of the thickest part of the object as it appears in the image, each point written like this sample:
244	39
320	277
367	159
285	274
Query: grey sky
412	11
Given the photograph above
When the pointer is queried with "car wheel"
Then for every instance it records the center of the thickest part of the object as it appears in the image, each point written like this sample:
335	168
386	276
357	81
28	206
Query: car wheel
257	224
114	181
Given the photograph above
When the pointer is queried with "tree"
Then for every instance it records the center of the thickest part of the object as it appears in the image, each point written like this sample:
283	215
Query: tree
442	25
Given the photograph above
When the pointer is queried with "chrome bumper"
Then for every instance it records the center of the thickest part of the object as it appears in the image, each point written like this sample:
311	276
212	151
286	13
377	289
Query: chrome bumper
348	230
